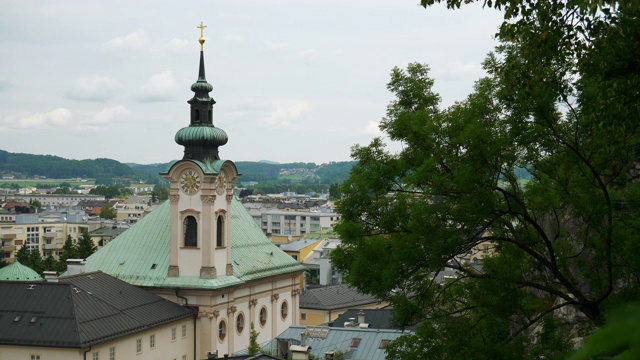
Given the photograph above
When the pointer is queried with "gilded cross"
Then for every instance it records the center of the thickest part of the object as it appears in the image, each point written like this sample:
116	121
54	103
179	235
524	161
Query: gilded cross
201	40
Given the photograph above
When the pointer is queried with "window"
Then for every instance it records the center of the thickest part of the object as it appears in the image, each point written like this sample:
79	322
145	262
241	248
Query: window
184	357
173	334
35	357
303	316
355	342
263	316
220	231
222	330
383	344
138	346
112	353
184	331
190	231
240	323
152	341
284	310
295	257
96	355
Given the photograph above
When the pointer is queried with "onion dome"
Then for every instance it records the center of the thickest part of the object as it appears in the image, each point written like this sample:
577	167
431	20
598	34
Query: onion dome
18	272
201	138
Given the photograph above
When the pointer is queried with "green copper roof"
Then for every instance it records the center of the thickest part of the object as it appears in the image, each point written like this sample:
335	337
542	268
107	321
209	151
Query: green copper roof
208	167
18	272
140	255
201	135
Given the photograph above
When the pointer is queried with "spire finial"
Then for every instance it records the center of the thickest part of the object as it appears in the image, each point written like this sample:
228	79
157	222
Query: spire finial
201	40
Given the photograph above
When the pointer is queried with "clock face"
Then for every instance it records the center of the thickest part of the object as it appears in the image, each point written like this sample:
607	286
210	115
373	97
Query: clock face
222	184
190	182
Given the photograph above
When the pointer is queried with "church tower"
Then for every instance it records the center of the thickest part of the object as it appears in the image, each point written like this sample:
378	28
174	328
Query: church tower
200	191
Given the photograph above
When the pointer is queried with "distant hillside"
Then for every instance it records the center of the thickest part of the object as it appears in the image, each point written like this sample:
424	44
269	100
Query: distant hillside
270	172
56	167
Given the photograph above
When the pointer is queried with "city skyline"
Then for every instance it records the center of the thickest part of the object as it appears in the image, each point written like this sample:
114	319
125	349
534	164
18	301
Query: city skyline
293	80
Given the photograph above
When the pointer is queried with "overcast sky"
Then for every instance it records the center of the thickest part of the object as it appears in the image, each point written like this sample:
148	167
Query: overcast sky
293	80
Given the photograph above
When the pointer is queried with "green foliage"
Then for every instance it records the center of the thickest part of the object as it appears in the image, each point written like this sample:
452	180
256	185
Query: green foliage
108	212
560	100
85	246
618	339
35	203
31	259
58	168
160	193
69	251
254	347
334	191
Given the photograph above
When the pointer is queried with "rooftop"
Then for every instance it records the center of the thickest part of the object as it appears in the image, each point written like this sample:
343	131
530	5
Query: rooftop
79	311
335	297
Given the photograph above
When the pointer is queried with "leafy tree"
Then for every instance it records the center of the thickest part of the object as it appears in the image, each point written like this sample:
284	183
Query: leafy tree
30	258
3	263
85	246
334	191
160	193
35	203
254	348
49	263
69	251
560	100
108	212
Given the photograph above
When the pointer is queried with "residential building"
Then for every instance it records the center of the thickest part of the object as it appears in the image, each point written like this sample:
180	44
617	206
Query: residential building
318	263
60	200
334	343
324	304
296	223
132	208
298	250
45	232
91	316
201	248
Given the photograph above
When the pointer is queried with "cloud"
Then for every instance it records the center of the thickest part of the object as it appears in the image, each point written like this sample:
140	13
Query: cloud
233	37
458	70
309	55
29	120
372	128
94	88
5	85
105	115
101	119
136	40
161	87
284	111
274	46
178	47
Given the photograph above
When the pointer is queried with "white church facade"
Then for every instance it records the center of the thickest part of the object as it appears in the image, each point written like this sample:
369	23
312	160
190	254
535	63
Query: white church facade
202	248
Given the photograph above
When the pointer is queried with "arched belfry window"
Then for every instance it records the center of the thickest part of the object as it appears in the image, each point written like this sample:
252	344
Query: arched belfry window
190	231
220	231
197	115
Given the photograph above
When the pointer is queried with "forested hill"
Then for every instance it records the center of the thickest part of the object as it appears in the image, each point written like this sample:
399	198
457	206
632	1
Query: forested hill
262	171
55	167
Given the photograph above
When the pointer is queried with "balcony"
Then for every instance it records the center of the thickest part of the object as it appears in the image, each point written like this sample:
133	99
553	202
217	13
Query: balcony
52	246
18	242
50	234
8	248
8	236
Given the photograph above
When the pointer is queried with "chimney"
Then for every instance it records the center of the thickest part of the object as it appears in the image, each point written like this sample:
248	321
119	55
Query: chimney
298	352
361	317
51	276
75	266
